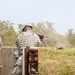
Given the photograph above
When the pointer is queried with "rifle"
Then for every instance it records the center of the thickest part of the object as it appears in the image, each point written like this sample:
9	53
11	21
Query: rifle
41	38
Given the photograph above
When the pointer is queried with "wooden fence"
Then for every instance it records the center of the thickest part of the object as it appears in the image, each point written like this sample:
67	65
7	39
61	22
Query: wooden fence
7	61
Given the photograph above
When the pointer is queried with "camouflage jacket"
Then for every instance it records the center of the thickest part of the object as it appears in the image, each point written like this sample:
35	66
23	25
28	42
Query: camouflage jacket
27	38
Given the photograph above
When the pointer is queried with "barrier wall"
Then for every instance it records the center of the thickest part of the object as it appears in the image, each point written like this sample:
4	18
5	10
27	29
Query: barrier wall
7	61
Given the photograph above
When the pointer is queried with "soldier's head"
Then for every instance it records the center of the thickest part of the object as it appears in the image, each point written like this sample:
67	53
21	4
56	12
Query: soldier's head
27	27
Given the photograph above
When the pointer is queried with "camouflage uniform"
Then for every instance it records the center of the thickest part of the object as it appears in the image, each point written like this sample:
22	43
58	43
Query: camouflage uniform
1	43
27	38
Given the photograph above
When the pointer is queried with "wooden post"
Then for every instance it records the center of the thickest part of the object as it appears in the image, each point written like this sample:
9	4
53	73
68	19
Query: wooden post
0	57
0	70
30	61
0	62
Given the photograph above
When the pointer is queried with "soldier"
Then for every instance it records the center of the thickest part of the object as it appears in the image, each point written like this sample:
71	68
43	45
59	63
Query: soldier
1	43
26	38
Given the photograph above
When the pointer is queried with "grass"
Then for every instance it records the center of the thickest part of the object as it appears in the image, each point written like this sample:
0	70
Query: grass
57	62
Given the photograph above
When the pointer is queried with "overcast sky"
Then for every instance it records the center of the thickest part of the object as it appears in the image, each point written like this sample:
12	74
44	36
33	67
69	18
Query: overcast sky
59	12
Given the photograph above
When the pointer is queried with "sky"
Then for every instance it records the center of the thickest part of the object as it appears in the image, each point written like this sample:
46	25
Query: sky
59	12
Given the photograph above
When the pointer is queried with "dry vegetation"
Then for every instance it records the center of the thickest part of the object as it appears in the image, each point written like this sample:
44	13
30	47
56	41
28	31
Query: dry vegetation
57	62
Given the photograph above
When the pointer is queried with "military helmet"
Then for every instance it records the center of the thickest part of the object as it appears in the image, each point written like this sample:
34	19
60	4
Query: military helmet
25	25
29	25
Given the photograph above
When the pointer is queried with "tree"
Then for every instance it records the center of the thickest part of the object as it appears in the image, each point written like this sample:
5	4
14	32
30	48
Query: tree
7	33
71	36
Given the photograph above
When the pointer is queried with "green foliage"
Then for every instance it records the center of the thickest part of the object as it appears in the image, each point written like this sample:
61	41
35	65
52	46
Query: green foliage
7	33
66	70
57	62
20	27
71	37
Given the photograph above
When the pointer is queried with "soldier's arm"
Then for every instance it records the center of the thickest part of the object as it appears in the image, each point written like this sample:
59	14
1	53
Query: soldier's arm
38	40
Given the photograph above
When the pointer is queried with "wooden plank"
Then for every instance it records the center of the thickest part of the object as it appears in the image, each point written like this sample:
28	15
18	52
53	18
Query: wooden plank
0	62
23	68
7	61
0	70
0	57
